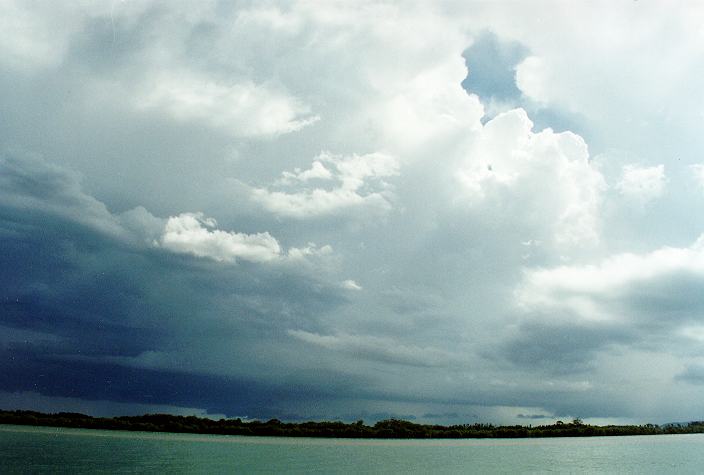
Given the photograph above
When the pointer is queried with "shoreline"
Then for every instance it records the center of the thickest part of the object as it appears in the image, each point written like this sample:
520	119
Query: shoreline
386	429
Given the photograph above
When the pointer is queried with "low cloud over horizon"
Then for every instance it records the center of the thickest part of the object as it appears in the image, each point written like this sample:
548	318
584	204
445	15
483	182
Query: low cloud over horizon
447	213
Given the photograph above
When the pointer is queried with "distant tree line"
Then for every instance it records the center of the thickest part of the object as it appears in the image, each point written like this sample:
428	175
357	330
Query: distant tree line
386	429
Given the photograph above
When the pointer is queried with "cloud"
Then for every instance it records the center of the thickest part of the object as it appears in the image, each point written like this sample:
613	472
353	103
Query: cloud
40	37
84	307
498	269
316	171
298	254
29	184
622	277
194	234
533	416
531	79
693	374
32	185
698	171
544	171
20	400
585	73
242	109
350	285
376	348
355	181
32	40
642	184
564	347
569	317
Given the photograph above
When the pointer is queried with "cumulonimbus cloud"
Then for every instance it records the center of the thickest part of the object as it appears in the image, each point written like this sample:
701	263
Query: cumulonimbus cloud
545	171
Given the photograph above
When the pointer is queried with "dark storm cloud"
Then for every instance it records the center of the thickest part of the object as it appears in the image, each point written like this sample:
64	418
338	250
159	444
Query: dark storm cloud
693	374
89	291
532	416
51	375
561	348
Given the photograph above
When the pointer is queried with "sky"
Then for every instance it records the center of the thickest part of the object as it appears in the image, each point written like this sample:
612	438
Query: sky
448	212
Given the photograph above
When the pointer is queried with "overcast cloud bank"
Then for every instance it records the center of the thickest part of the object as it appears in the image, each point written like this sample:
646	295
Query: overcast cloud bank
476	212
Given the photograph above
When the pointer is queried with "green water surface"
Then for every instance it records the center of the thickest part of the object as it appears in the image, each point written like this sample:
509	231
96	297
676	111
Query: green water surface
56	450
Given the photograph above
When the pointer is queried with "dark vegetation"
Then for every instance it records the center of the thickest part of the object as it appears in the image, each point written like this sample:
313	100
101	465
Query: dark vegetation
390	428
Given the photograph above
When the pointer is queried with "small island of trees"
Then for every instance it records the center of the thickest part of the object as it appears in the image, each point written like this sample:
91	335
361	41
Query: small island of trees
389	428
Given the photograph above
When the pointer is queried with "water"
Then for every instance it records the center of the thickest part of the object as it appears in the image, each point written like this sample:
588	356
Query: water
43	449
